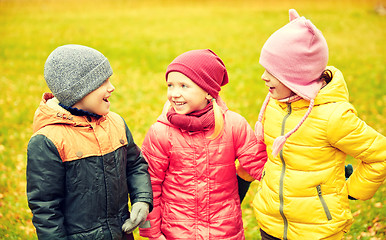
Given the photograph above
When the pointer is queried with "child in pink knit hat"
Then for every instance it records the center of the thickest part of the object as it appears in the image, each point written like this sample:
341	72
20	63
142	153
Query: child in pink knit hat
191	151
308	126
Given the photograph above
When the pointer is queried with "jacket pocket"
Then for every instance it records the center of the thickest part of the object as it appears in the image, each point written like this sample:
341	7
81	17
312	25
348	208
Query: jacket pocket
324	204
94	234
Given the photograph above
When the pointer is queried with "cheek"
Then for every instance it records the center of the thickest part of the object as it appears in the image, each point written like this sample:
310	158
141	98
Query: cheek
284	91
168	95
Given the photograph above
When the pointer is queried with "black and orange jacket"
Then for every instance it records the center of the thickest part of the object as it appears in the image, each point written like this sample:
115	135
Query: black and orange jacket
80	171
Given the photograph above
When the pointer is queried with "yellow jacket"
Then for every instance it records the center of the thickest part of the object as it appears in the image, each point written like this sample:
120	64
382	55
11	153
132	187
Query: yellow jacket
303	193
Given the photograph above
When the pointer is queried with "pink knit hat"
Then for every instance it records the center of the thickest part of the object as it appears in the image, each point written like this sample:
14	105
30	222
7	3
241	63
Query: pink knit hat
296	55
203	67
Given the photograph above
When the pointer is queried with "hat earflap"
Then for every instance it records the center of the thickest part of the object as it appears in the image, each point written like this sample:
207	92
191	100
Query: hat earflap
280	141
259	129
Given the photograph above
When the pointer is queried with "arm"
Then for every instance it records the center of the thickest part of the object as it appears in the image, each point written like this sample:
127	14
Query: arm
155	148
351	135
45	188
250	152
243	181
137	175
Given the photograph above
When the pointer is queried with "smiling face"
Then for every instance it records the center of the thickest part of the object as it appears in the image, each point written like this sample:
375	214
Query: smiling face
97	101
184	95
277	89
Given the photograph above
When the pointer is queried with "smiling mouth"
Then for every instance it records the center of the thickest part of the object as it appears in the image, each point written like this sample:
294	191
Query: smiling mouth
179	103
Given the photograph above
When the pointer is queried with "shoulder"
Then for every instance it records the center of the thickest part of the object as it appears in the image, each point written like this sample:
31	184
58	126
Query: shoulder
339	109
54	133
158	130
117	123
233	116
39	138
157	139
234	119
45	141
342	120
116	118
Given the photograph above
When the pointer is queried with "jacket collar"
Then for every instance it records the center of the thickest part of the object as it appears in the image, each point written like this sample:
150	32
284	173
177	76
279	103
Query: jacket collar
335	91
50	112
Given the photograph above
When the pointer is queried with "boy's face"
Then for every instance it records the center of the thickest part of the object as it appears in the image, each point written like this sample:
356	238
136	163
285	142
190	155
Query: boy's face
184	95
97	101
277	89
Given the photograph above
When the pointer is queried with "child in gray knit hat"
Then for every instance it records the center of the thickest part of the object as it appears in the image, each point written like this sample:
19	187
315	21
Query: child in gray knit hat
82	160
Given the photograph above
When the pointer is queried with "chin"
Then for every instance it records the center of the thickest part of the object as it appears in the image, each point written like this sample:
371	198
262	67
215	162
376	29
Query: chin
178	110
103	113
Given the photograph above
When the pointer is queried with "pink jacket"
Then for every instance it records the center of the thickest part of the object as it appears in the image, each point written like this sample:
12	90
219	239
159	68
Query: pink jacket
194	179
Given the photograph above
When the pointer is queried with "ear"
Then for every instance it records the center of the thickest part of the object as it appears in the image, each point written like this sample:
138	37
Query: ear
209	97
293	14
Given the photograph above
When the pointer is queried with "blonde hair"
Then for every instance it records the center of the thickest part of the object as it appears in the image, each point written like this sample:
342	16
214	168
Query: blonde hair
218	121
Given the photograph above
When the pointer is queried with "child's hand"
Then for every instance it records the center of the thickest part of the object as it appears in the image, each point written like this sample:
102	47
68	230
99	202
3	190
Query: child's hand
139	212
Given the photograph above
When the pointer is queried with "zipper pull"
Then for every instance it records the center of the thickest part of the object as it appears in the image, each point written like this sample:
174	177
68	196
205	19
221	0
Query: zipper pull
289	107
319	189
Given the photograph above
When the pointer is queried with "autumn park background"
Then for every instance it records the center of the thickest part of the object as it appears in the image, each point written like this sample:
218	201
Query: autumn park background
141	37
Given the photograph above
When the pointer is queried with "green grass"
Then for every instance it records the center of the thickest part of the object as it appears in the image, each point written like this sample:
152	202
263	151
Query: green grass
140	38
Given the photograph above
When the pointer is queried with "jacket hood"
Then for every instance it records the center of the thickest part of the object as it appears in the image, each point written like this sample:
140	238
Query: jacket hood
163	119
49	113
335	91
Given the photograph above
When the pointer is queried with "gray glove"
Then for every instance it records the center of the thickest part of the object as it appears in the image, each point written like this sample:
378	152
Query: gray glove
139	212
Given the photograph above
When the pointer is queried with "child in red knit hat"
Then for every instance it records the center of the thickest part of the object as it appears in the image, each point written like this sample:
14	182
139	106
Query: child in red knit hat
191	151
308	126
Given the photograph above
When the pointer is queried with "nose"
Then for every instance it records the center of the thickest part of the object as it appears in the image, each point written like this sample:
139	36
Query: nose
174	92
264	77
110	87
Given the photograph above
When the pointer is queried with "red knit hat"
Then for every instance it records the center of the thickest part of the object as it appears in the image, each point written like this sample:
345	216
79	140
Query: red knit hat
203	67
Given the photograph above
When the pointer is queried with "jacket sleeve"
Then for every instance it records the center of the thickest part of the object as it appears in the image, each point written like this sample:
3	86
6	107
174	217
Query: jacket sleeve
155	149
250	151
45	187
351	135
138	178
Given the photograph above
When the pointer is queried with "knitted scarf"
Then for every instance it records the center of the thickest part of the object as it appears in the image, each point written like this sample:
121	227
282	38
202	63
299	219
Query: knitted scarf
195	121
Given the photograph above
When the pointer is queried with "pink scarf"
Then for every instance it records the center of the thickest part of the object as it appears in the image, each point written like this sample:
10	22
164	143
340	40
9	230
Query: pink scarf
195	121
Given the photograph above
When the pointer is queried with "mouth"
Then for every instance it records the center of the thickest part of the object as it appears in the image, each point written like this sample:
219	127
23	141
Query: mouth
179	103
106	99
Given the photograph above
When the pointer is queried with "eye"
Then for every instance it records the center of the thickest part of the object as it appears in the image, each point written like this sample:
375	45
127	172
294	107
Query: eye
169	85
184	86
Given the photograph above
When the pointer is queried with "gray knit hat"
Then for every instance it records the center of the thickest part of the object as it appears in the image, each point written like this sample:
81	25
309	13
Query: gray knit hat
73	71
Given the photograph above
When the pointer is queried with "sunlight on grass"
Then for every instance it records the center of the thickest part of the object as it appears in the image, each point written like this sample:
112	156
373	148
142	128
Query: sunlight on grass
140	38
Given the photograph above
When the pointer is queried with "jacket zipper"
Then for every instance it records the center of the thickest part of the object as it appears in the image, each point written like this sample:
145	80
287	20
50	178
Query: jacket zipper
283	168
324	204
